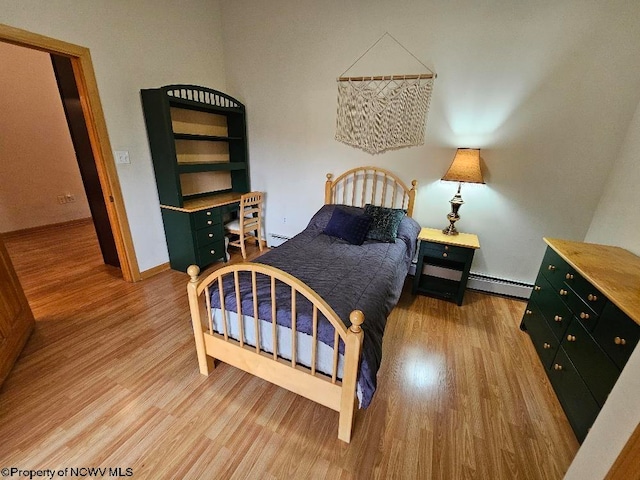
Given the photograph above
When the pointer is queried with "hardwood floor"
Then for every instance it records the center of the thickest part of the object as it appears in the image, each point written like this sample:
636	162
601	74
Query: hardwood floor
110	379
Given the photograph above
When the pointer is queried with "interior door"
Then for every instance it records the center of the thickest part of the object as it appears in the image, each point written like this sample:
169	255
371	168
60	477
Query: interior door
70	96
16	319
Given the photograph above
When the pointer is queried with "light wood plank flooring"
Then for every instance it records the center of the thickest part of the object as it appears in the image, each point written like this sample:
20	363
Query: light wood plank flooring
110	379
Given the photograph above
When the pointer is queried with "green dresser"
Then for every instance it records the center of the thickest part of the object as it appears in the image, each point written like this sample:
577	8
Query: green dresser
582	318
198	145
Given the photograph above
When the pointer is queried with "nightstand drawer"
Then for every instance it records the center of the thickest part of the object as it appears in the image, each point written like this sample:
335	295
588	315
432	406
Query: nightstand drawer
449	252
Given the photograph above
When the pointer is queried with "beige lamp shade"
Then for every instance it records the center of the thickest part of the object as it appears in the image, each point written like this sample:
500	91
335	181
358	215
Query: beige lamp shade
465	167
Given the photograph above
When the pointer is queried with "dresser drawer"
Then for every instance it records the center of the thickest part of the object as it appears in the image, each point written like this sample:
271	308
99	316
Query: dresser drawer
578	306
617	334
590	295
553	309
574	395
211	253
447	252
209	234
543	339
206	218
554	268
594	366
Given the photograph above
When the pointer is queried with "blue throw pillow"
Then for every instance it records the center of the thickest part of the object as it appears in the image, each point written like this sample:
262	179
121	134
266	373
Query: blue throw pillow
385	222
349	227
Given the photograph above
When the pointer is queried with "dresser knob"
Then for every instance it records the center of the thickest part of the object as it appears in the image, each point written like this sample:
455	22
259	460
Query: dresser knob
619	341
537	288
571	338
528	312
546	346
557	366
551	267
209	222
209	214
584	316
211	235
569	276
592	298
212	252
446	247
557	318
445	254
563	292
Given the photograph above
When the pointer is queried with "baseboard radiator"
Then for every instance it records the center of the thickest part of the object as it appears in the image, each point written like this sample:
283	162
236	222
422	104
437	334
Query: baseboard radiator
277	239
499	286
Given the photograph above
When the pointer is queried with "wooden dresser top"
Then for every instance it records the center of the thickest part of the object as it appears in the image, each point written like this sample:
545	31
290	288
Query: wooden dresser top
612	270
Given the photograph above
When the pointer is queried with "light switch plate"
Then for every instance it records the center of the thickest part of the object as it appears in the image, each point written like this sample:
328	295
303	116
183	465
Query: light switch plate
122	156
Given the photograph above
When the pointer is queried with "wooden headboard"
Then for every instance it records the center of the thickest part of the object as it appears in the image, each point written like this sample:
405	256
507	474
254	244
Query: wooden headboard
374	185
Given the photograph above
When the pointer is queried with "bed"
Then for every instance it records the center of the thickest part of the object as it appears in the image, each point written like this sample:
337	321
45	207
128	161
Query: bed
329	299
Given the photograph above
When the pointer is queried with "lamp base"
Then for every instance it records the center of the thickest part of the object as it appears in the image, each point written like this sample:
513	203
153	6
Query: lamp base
450	230
456	202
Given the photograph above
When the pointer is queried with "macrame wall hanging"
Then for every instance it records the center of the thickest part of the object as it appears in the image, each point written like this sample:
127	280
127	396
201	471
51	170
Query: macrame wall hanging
383	112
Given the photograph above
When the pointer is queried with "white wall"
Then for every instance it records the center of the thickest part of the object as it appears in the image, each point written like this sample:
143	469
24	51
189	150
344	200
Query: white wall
546	89
37	159
134	44
616	222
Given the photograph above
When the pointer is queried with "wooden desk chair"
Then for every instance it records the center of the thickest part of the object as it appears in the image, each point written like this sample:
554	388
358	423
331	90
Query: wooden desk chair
249	221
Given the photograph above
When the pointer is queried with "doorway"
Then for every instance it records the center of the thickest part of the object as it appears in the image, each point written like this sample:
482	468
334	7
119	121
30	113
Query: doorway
79	60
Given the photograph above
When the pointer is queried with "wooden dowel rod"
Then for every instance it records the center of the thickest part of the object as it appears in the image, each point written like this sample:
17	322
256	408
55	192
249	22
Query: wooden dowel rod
388	77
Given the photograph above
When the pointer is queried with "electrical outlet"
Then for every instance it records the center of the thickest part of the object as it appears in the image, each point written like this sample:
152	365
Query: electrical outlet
122	156
284	219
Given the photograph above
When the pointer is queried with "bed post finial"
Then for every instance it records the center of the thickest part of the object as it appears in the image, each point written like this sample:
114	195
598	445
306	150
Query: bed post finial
193	271
357	318
328	187
412	198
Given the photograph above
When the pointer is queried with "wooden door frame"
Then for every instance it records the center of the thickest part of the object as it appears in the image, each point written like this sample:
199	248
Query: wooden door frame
98	135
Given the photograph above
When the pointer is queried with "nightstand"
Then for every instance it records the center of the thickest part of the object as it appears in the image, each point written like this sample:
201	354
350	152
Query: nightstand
450	252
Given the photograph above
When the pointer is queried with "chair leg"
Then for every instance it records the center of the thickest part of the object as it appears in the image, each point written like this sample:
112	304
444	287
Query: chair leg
242	247
259	236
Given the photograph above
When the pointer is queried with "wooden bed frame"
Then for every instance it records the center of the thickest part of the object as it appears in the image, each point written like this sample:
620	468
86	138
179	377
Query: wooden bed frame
355	187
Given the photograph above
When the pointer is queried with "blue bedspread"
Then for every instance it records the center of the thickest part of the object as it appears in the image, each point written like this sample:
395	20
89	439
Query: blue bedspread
368	277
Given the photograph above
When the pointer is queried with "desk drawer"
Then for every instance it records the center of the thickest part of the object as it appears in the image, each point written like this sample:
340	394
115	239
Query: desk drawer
210	234
447	252
617	334
206	218
210	253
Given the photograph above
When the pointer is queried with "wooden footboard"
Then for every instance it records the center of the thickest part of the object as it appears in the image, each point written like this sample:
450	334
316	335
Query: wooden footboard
325	389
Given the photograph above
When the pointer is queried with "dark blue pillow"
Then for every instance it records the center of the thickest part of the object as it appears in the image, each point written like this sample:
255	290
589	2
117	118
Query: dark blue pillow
385	222
349	227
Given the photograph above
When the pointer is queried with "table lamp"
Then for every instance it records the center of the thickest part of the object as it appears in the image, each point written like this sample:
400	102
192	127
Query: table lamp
464	168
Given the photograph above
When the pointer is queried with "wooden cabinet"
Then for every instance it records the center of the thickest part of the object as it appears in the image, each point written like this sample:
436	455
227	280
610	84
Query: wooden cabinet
198	144
454	253
576	322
